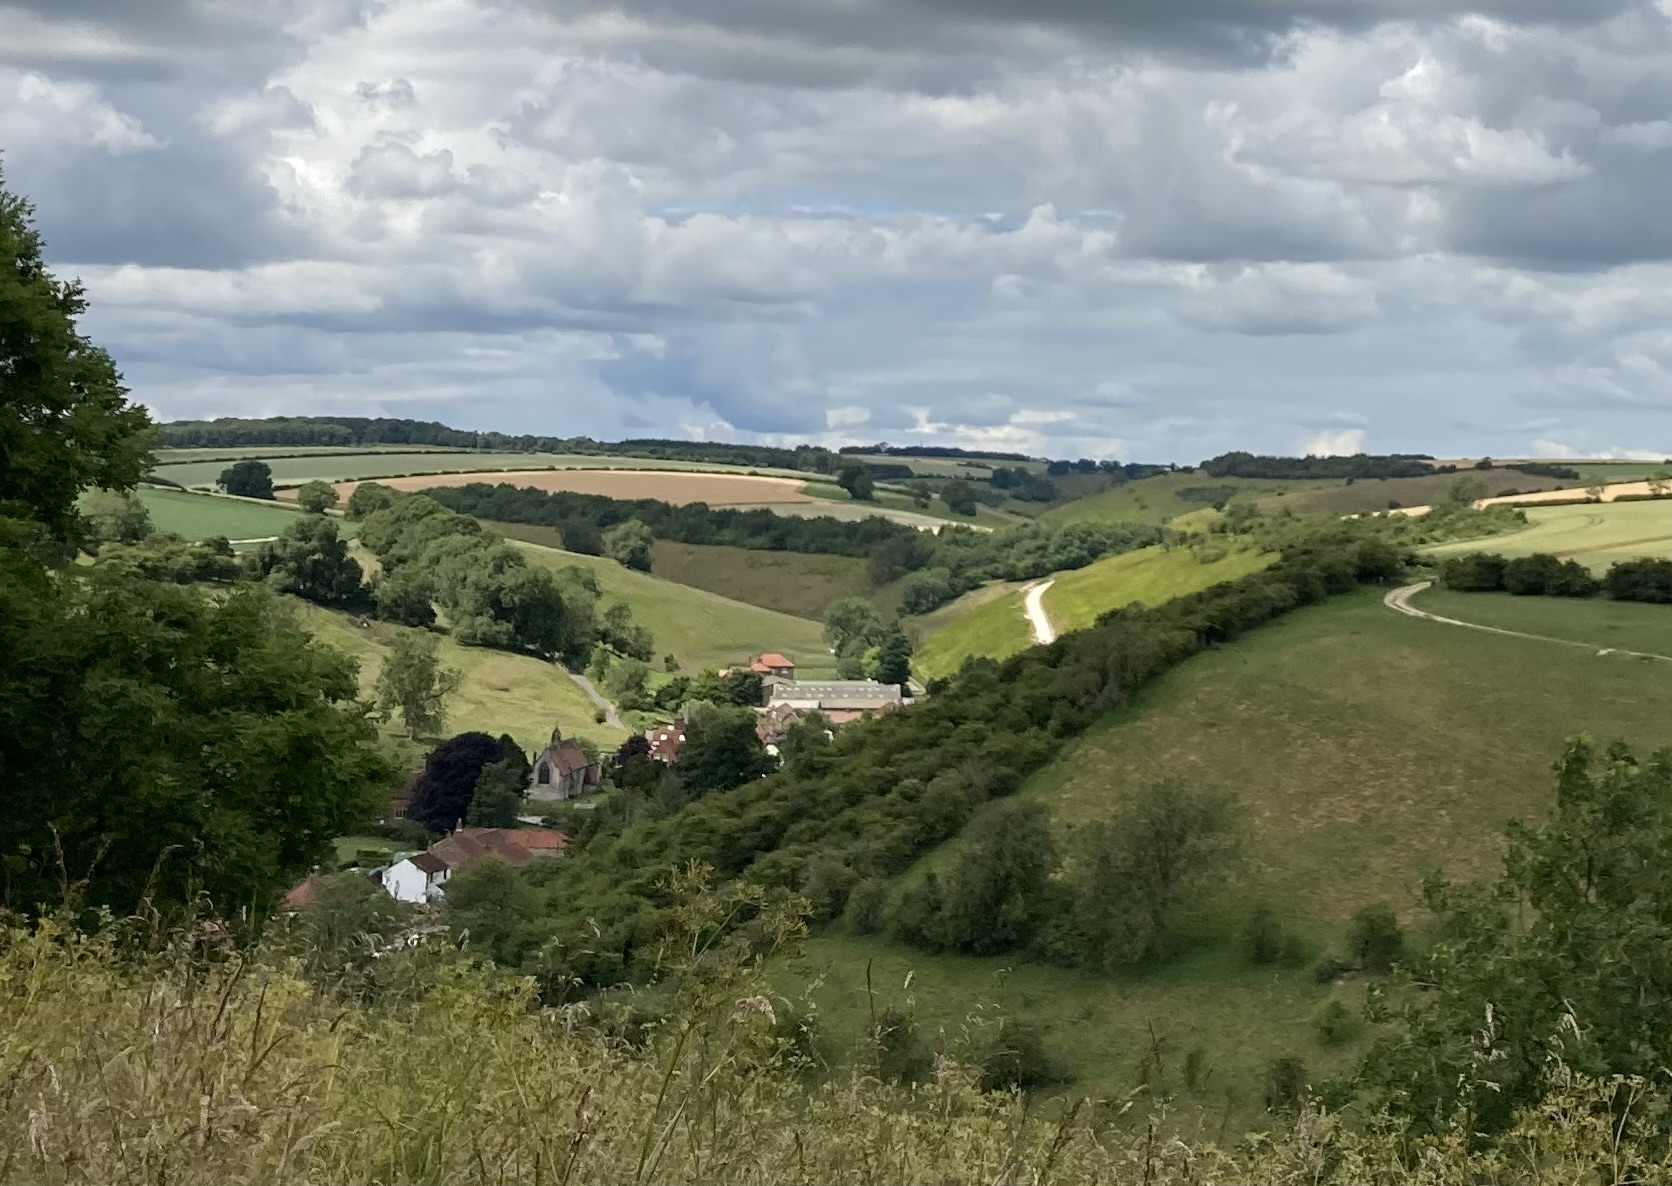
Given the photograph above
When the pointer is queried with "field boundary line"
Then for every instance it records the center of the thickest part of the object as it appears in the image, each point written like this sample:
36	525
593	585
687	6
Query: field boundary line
1399	600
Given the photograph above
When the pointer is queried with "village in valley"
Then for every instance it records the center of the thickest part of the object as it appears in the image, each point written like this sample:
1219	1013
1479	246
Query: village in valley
569	773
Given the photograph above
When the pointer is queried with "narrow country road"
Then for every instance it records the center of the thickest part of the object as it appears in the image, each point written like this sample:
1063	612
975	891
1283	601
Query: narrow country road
611	717
1399	600
1034	604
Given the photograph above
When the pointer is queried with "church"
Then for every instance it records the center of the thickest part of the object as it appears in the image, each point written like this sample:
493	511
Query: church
563	771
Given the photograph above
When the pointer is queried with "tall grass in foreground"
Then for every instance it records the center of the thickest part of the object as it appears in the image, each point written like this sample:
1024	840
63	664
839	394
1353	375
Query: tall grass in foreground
173	1064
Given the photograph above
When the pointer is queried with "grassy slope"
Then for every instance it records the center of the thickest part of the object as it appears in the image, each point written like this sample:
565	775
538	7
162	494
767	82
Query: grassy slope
201	516
701	629
990	620
501	693
985	621
1156	500
1149	575
1365	747
1374	494
788	582
1596	534
1632	626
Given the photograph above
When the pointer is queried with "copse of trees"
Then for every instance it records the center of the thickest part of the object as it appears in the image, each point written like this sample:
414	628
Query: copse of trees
249	479
171	558
310	560
227	432
434	556
316	497
950	563
581	517
1542	574
1360	465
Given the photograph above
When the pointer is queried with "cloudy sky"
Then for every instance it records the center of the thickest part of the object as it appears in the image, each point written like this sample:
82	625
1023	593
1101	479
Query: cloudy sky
1148	229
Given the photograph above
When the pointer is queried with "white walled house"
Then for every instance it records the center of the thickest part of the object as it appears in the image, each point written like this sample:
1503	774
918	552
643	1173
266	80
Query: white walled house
416	879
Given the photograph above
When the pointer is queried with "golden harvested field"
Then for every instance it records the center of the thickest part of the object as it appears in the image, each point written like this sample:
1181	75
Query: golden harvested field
677	487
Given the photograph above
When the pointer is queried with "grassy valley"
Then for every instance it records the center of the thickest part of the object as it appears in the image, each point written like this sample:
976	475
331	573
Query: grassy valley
500	693
1365	748
1165	497
699	628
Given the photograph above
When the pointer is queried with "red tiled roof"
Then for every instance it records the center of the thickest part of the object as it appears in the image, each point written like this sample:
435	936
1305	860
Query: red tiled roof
302	893
514	846
570	757
770	661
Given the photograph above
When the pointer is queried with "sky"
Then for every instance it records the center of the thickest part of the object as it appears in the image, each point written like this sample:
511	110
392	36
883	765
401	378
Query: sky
1152	230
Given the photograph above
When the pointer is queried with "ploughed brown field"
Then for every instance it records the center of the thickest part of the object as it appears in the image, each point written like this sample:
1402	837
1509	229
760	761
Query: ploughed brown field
671	486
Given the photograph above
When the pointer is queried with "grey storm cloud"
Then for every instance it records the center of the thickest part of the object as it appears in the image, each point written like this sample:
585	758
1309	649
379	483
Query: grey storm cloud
1152	229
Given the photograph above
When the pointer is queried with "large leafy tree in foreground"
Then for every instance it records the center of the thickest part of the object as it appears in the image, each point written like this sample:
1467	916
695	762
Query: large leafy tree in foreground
156	743
65	420
1568	955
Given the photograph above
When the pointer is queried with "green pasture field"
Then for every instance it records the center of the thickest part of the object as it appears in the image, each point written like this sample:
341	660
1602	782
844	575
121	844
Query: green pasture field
985	621
1365	748
699	628
345	467
1595	534
204	516
1629	625
1618	471
1157	500
1150	575
500	693
795	583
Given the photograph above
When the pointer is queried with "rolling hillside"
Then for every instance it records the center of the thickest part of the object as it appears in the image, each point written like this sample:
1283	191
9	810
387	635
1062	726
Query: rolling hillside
1386	747
501	693
1596	534
700	629
1149	575
1164	497
1628	625
990	621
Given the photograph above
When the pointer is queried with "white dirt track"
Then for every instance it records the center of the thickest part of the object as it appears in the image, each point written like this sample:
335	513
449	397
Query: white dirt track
1399	600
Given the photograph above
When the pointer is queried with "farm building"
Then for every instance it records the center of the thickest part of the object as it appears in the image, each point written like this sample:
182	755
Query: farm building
667	741
842	700
422	877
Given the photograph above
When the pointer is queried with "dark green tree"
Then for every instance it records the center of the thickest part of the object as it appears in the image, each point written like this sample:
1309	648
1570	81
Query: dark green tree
115	518
492	908
499	795
1133	872
995	889
250	479
217	748
722	750
1567	954
629	544
959	497
311	560
65	421
857	481
368	498
894	656
405	596
316	497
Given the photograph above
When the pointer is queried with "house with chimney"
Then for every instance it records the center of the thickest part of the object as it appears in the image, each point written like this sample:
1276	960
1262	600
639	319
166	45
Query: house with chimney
423	876
773	664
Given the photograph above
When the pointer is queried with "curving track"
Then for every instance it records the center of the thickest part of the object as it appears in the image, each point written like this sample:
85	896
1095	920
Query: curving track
1399	600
